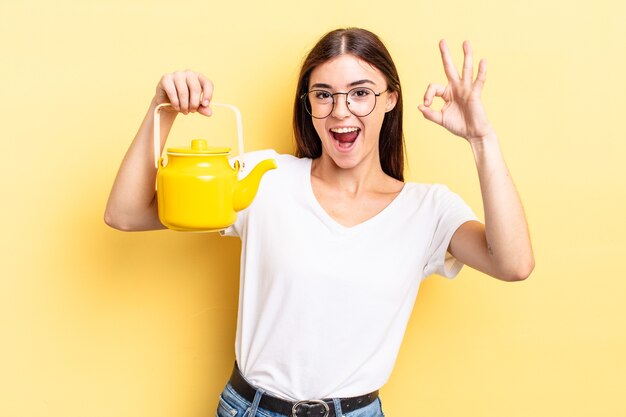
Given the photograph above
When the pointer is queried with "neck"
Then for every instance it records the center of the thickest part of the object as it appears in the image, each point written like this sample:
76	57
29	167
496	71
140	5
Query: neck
365	176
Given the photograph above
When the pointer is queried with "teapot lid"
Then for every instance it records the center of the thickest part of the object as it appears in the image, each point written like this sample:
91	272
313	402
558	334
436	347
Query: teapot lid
199	147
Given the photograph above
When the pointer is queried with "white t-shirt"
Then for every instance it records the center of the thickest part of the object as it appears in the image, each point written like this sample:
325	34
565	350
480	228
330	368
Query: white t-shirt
323	307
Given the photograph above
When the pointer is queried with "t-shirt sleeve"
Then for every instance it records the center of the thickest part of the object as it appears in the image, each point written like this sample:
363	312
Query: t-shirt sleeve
451	213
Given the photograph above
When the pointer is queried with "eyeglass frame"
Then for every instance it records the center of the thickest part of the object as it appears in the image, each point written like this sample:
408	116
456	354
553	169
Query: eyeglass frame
304	96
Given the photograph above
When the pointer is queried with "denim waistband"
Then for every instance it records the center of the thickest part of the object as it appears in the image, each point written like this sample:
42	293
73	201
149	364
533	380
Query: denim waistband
329	407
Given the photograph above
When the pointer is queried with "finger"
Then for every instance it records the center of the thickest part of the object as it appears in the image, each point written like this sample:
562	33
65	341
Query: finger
448	65
195	90
468	63
167	85
430	114
481	77
433	90
180	81
207	94
206	111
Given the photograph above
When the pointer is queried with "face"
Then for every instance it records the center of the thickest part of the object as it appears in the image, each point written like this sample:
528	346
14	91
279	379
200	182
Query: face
349	140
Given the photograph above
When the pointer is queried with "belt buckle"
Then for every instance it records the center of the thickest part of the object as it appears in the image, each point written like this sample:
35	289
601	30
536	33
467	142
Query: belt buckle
294	409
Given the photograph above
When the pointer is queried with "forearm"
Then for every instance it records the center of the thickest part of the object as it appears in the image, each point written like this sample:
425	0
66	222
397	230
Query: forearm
132	201
506	229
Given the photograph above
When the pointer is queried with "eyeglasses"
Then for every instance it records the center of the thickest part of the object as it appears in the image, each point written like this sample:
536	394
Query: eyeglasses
360	101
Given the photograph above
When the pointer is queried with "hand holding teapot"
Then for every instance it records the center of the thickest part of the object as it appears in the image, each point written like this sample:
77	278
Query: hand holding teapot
187	91
198	190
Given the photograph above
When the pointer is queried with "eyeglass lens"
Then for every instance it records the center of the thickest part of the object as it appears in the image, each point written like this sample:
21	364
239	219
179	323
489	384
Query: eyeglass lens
360	101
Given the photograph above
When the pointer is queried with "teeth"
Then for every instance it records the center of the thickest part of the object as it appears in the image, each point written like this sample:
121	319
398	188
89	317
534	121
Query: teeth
344	129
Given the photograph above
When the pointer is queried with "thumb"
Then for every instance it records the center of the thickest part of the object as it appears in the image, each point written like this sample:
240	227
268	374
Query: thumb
205	110
430	114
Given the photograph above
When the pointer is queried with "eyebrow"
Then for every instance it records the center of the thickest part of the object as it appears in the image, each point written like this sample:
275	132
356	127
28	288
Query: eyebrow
352	84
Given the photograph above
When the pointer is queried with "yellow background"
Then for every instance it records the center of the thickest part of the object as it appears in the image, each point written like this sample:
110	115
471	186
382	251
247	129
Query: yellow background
96	322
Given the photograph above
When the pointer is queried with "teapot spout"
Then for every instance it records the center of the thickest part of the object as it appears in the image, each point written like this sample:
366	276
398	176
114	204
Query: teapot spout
247	188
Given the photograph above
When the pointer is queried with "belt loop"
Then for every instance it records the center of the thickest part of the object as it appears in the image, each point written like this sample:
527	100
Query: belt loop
255	404
338	411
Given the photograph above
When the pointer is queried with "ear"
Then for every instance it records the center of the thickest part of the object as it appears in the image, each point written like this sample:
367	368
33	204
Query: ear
392	99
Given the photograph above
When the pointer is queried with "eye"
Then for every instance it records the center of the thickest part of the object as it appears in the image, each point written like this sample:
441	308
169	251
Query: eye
361	93
321	95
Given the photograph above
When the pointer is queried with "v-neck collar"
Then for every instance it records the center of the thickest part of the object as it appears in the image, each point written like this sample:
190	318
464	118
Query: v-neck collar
334	224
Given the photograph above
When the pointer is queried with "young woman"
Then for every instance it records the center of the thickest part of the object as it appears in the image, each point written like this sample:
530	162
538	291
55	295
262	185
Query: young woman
335	245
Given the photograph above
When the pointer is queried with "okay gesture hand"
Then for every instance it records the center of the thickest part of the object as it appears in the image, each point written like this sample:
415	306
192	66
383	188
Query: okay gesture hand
462	113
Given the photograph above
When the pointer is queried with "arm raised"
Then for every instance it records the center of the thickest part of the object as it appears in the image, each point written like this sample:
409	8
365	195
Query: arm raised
501	247
132	203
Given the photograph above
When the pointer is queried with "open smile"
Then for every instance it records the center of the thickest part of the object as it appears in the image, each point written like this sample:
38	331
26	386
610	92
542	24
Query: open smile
345	137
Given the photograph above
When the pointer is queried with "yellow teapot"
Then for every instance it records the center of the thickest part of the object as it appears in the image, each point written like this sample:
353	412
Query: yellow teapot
198	190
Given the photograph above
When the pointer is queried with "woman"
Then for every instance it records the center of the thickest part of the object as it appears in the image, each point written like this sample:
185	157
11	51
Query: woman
335	245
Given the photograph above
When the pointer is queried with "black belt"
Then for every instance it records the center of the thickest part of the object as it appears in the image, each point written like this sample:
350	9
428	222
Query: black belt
307	408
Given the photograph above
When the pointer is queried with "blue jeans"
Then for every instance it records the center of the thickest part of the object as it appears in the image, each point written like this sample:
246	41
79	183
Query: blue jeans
233	405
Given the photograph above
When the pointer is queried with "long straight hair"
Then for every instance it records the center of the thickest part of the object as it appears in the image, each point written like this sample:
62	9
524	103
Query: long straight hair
366	46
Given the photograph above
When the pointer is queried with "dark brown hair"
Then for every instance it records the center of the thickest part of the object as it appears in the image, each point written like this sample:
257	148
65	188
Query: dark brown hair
364	45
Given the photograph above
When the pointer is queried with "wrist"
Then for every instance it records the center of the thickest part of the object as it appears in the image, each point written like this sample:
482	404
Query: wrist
488	139
486	146
166	113
488	134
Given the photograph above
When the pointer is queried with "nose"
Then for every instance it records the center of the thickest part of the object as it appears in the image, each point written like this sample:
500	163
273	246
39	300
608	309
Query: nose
340	109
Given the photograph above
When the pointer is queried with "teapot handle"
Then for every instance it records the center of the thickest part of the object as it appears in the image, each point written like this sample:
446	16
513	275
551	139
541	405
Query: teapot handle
157	132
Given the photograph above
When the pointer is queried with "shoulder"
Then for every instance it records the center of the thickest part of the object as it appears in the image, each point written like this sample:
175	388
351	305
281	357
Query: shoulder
283	161
426	191
290	172
436	197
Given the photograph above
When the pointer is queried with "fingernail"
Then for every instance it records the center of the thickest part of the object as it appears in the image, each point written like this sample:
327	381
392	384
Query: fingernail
205	103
